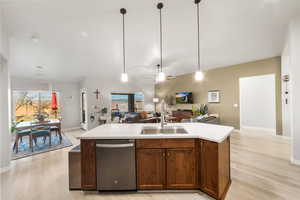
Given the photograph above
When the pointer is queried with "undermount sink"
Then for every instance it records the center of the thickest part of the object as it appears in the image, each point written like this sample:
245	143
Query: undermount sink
150	130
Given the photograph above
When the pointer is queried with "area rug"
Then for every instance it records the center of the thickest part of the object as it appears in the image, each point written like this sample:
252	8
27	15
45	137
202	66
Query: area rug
25	151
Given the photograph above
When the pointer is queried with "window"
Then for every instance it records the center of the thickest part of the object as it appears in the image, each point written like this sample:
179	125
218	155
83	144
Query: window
29	103
124	103
139	102
119	103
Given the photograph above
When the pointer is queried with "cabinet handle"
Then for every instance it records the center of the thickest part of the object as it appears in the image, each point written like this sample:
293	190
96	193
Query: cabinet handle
164	154
168	154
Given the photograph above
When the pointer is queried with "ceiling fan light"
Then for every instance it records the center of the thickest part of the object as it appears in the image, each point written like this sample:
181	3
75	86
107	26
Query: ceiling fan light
199	76
161	77
124	77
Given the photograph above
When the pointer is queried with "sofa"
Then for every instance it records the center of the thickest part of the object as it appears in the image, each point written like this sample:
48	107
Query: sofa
141	117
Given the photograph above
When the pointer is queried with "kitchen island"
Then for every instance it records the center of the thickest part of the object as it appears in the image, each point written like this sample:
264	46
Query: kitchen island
196	160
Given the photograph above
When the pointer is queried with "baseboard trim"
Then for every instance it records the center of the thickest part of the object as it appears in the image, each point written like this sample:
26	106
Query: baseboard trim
237	130
266	133
71	129
4	169
295	162
283	137
267	130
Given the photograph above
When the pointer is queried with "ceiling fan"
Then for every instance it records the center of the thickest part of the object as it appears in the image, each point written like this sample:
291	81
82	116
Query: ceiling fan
170	77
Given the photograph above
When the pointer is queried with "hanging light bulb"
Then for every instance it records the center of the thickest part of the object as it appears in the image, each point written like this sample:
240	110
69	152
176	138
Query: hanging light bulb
161	77
199	76
124	76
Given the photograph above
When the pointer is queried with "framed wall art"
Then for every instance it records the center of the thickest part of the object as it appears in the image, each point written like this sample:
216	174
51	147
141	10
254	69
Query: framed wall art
214	96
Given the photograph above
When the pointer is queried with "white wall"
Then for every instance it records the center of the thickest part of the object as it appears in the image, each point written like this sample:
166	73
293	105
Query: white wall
258	102
5	136
286	90
108	86
3	37
293	41
69	97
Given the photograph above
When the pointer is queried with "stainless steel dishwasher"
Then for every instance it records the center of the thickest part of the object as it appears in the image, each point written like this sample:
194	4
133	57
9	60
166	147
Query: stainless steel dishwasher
116	165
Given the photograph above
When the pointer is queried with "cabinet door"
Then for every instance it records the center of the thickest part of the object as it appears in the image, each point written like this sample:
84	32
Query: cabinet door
209	167
88	165
150	168
181	172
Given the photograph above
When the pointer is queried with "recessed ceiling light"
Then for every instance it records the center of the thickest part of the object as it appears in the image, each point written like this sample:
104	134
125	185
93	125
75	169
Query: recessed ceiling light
84	34
35	38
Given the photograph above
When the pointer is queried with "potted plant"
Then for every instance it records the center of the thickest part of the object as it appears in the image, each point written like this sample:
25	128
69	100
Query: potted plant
41	116
14	125
104	111
102	117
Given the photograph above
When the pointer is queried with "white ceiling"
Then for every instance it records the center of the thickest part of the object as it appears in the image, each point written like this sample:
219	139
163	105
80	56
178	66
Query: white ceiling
83	38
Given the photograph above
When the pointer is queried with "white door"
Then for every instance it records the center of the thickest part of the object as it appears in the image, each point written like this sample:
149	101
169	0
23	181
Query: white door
258	103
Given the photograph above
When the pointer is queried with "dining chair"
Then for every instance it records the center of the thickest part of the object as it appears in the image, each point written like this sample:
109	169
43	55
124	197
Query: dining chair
41	130
19	136
57	130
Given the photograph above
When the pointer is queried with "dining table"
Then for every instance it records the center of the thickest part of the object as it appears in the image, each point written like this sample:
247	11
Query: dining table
29	125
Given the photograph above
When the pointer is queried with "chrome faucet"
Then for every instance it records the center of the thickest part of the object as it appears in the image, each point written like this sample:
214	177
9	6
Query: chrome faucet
163	112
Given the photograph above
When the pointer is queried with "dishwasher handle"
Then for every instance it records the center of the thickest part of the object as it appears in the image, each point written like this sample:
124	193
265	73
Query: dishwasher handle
115	145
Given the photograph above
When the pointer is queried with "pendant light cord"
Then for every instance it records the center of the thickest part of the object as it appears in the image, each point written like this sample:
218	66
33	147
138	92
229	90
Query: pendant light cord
160	21
198	24
124	59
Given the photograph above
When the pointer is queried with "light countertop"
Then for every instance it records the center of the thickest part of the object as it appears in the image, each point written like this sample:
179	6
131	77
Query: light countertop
214	133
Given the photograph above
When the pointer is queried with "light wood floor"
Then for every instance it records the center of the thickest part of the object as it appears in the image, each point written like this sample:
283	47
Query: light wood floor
260	171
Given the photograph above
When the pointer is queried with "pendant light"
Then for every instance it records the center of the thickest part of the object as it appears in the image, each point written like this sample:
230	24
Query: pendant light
161	75
199	74
156	74
124	76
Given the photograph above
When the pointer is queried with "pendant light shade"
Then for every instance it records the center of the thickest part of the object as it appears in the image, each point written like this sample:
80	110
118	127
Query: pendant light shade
124	76
161	77
199	75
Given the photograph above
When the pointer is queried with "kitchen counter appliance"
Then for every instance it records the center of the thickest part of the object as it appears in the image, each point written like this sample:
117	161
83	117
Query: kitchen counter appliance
116	165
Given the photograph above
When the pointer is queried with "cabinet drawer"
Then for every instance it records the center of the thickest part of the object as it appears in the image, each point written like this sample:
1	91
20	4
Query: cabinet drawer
149	144
179	143
165	143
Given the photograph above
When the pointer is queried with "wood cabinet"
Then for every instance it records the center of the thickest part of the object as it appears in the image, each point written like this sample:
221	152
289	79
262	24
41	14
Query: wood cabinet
171	164
214	167
181	172
166	164
88	165
150	168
